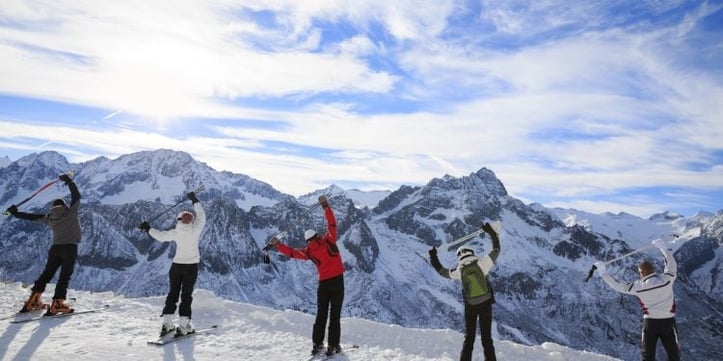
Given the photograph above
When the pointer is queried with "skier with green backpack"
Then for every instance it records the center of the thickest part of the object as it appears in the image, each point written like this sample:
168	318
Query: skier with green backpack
477	292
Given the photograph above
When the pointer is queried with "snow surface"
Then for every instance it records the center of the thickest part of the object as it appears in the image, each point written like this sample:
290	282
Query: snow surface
246	332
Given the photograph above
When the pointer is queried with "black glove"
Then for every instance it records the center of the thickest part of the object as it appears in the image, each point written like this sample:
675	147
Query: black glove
324	202
13	209
145	227
192	197
433	260
488	229
66	179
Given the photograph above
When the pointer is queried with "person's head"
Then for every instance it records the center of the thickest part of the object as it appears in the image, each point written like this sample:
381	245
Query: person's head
645	268
310	234
58	208
60	202
464	252
185	217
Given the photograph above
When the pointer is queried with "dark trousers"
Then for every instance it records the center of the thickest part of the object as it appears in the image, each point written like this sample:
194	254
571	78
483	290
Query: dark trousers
663	329
483	313
329	295
61	256
181	280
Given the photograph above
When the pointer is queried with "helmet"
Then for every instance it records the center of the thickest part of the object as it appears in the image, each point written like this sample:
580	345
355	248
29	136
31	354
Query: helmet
464	251
185	217
309	234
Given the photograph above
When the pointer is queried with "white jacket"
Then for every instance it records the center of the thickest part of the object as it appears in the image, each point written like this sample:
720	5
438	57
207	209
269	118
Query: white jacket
654	292
186	237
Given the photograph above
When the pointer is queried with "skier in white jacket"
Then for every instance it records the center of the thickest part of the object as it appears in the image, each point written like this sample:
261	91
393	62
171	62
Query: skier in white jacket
657	300
184	271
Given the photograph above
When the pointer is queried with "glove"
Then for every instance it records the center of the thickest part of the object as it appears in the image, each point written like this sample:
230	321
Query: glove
324	202
65	178
433	252
145	227
13	209
660	244
600	266
488	229
192	197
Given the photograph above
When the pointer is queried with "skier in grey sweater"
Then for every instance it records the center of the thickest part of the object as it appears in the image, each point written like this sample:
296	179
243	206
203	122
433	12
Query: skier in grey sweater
657	301
63	221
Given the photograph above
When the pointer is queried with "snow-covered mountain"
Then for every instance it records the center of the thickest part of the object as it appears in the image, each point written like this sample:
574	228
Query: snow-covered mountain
546	253
245	332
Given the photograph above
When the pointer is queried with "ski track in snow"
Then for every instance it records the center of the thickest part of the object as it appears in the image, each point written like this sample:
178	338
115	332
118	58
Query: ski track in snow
246	332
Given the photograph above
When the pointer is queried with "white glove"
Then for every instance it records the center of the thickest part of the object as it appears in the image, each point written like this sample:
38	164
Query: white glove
660	244
600	266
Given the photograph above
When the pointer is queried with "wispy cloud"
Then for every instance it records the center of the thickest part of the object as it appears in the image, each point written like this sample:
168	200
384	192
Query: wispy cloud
599	106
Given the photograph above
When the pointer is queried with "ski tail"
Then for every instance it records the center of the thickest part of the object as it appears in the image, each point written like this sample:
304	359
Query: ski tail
44	187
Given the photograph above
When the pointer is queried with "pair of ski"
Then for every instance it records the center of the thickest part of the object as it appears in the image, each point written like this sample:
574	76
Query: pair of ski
171	337
496	225
19	317
322	356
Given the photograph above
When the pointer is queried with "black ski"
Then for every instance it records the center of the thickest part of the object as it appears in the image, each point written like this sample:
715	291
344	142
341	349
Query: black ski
60	315
172	338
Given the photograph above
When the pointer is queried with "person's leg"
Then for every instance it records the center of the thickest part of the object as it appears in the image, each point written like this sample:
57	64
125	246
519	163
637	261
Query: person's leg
174	289
649	340
188	281
669	339
68	253
323	298
51	266
485	326
470	330
336	300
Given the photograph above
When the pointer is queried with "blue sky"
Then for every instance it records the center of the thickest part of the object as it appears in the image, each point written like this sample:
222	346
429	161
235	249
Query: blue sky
604	106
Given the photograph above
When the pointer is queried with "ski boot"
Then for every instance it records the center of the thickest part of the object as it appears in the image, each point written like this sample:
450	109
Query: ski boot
167	326
58	307
333	349
33	303
317	348
184	326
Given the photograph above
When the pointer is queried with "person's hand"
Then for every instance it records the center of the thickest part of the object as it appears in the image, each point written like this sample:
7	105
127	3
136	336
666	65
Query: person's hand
600	266
488	229
433	252
323	201
660	244
145	227
13	209
65	178
192	197
273	241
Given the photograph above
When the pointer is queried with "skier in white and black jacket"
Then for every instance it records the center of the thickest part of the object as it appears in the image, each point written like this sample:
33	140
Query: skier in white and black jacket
184	271
657	300
480	308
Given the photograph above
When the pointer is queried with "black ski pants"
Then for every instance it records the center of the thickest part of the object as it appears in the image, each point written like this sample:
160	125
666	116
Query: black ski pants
663	329
483	313
61	256
181	280
329	295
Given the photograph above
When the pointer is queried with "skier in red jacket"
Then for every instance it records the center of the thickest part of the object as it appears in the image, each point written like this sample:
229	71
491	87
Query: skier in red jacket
323	251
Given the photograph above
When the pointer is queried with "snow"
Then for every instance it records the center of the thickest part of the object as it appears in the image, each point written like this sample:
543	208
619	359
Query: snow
246	332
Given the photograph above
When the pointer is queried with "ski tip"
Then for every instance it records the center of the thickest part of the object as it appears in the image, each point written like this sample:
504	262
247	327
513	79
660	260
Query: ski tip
496	225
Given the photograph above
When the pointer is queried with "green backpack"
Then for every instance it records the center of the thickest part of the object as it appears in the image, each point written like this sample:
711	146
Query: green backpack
475	287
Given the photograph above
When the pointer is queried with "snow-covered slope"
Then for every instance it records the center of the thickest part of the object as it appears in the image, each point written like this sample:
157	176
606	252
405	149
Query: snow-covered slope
246	332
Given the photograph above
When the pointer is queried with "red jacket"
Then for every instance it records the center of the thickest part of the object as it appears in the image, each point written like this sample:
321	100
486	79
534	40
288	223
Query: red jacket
320	250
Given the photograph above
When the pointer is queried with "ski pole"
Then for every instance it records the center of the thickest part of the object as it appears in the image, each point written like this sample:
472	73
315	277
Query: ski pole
282	234
592	270
199	189
495	225
7	211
